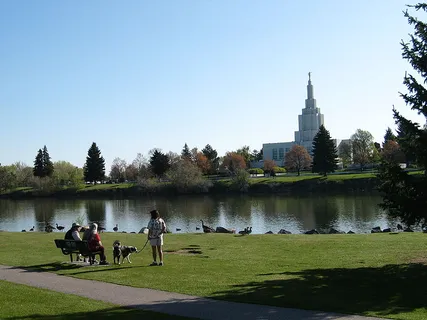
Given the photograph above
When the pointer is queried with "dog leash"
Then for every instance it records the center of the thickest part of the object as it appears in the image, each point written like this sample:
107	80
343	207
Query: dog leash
143	246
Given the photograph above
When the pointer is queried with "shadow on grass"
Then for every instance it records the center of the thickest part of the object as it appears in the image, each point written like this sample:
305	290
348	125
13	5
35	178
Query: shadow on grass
53	266
387	290
79	269
110	313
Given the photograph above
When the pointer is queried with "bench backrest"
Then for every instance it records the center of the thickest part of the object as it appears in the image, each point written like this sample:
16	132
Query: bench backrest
71	245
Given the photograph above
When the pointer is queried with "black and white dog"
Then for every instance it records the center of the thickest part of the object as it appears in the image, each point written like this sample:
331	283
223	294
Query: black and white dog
122	251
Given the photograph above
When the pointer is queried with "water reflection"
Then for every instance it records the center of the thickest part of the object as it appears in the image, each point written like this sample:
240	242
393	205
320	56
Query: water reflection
96	211
263	213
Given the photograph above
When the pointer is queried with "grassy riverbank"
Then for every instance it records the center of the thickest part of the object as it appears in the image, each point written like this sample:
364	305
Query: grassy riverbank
341	183
371	274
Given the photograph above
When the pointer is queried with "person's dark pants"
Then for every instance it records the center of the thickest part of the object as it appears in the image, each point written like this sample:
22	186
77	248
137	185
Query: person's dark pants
102	254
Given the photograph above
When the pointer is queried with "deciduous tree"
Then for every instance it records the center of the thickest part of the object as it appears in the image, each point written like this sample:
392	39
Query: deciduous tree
246	154
131	172
7	178
234	161
345	152
67	174
324	152
269	165
363	147
24	174
141	164
118	170
202	163
185	176
391	152
297	159
175	158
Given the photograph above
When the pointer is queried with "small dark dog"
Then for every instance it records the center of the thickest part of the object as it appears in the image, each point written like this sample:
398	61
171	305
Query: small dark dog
122	251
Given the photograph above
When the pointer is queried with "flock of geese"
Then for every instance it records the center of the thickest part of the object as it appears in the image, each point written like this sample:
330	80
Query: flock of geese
245	231
206	229
49	228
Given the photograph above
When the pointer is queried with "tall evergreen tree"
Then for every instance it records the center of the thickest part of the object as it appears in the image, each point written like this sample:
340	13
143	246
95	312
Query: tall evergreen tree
406	139
212	156
389	135
405	196
324	152
185	153
94	169
47	163
159	163
38	170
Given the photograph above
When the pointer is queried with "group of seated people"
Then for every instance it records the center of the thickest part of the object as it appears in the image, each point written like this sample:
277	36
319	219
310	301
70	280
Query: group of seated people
90	235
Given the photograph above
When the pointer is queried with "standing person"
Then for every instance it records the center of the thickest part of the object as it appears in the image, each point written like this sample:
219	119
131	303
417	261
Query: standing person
74	234
156	228
95	243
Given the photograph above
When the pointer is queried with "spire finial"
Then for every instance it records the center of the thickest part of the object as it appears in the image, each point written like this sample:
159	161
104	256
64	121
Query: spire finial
309	76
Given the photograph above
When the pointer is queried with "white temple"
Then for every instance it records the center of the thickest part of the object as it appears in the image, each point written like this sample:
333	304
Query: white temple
309	123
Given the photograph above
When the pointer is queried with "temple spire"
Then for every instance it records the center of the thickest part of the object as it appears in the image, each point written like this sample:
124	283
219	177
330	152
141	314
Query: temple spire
309	88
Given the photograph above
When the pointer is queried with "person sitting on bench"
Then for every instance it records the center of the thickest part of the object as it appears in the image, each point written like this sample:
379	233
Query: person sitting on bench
95	244
73	234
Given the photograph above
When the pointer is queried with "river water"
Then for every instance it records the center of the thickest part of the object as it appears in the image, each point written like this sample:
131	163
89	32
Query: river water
264	213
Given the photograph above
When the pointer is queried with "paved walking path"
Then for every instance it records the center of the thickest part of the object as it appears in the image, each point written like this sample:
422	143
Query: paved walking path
161	301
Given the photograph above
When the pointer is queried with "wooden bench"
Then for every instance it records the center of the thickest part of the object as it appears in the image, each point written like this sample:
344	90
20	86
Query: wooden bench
69	247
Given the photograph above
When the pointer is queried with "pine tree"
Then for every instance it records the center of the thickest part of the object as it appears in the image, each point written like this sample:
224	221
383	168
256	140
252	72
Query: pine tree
48	168
94	169
212	156
389	135
324	152
405	196
185	153
38	170
159	163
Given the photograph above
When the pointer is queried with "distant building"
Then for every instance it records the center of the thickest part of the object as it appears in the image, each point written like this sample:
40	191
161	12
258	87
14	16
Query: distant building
309	123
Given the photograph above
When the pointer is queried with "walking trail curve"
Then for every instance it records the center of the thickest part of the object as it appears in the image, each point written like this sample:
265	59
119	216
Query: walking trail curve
161	301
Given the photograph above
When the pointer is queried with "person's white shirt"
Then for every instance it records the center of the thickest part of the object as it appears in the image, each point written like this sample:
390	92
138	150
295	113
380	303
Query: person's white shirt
157	227
76	235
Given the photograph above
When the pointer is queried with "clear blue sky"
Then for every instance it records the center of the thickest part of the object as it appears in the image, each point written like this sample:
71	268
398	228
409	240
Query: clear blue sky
136	75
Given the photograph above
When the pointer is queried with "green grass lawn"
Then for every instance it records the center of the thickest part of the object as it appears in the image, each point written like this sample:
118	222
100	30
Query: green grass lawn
90	187
24	302
371	274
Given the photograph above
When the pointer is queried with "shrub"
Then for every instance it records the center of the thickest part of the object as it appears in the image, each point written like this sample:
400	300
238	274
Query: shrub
185	177
279	170
240	180
256	171
149	184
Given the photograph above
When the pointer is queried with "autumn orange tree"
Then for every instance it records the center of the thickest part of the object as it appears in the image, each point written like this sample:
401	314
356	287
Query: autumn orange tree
392	153
202	162
234	161
297	159
269	165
